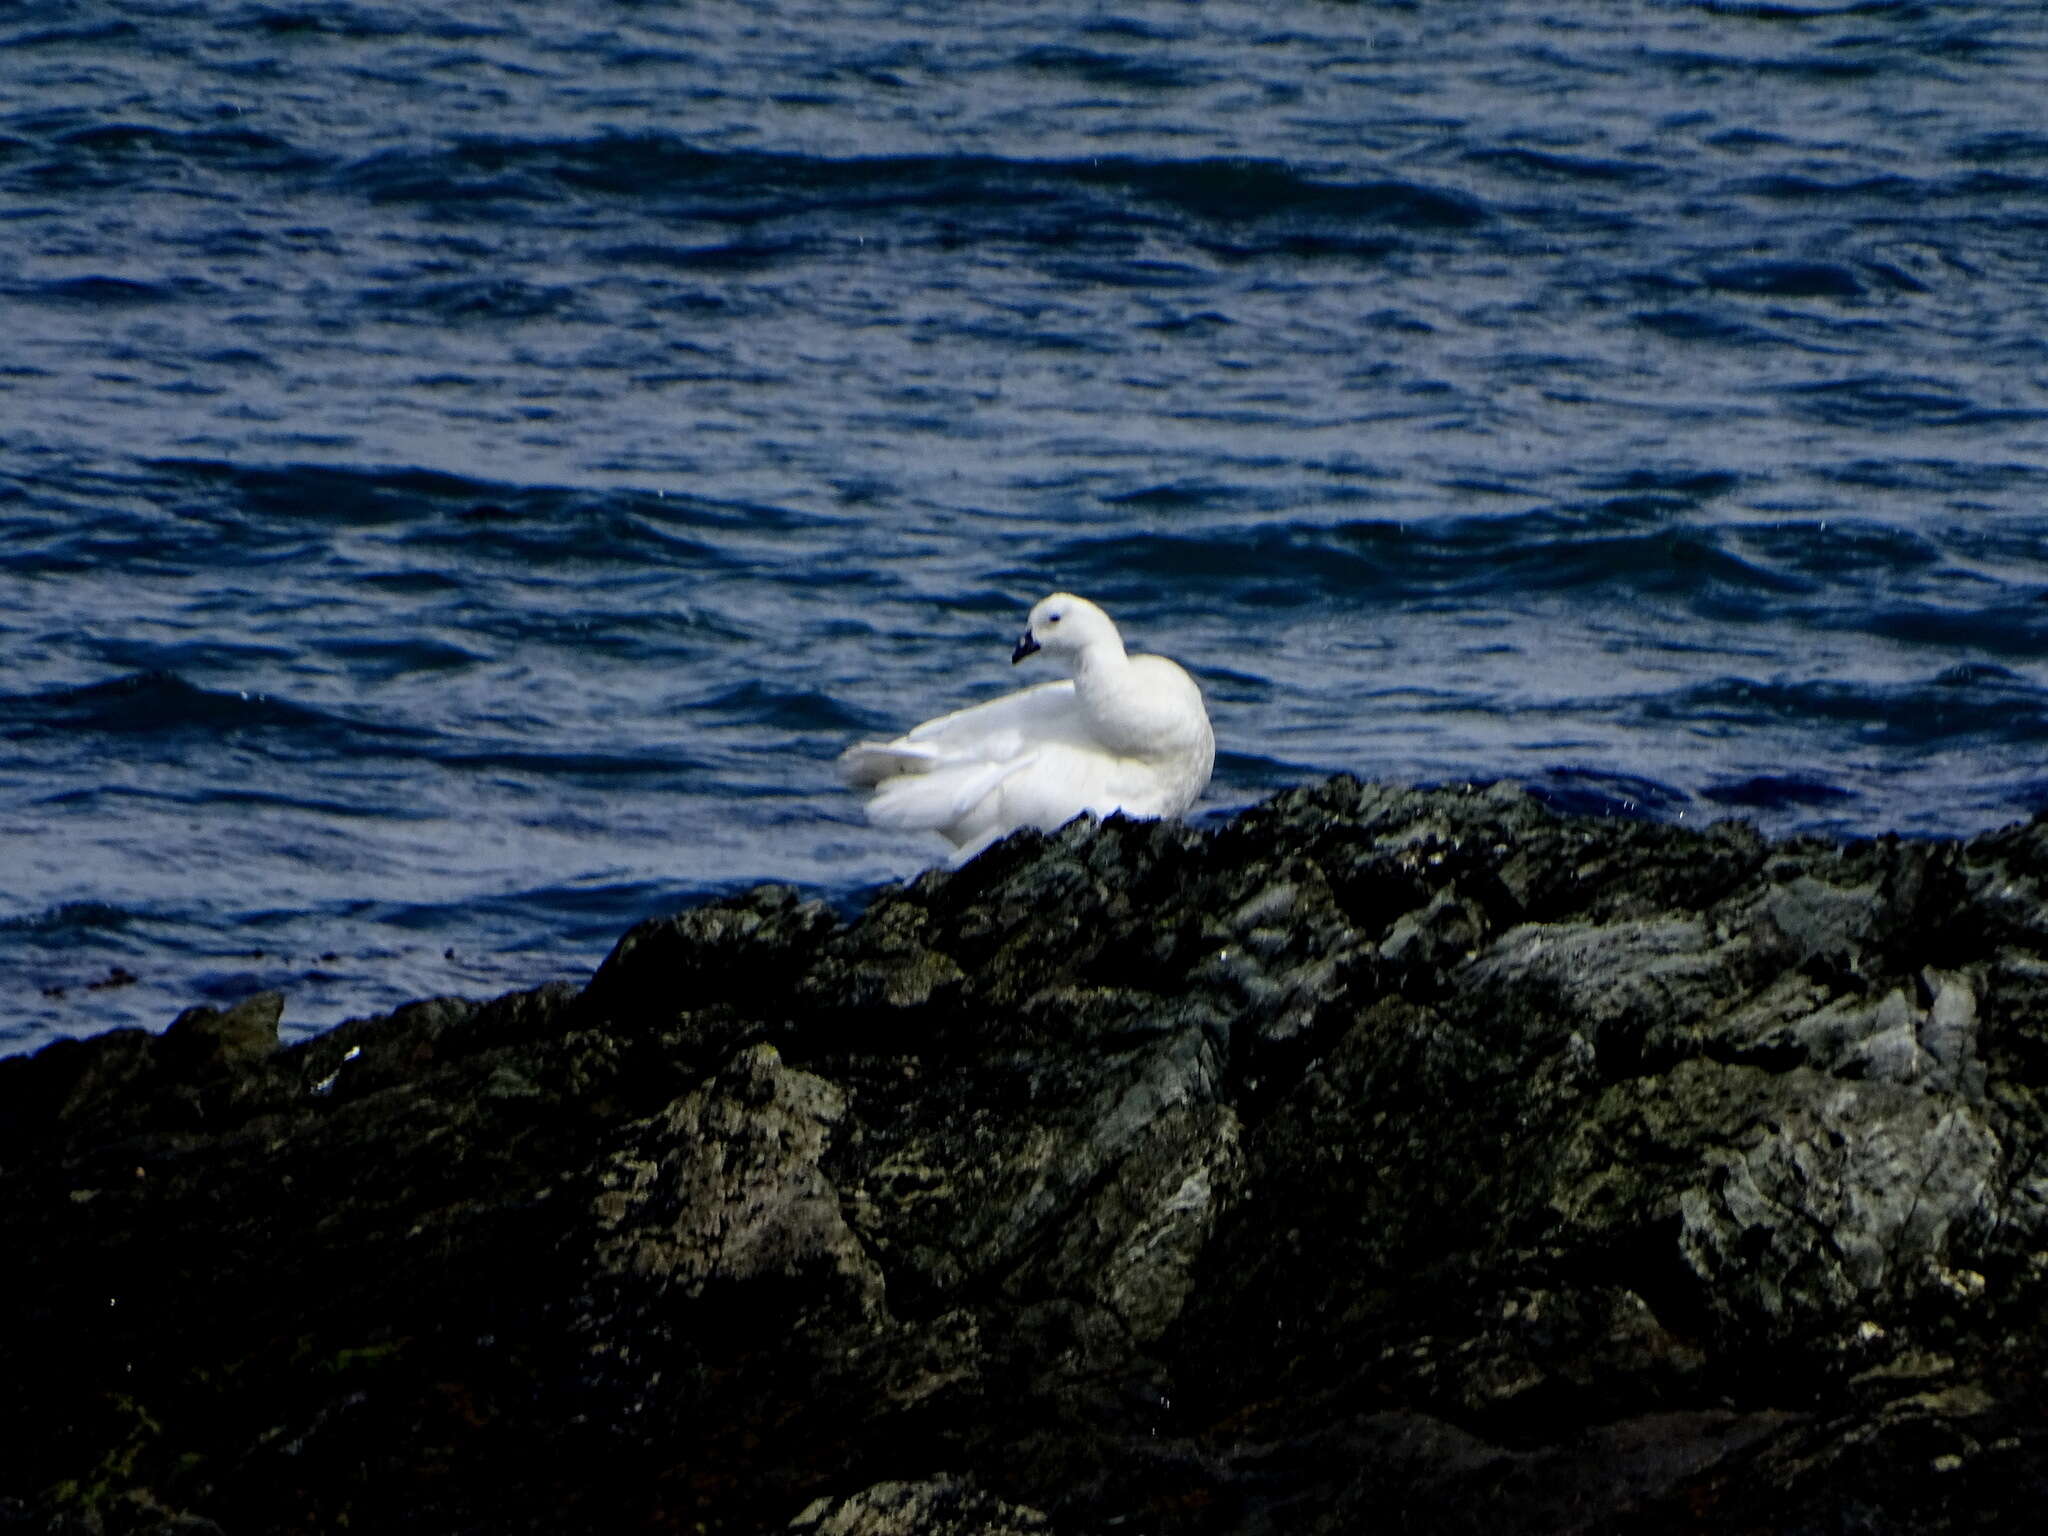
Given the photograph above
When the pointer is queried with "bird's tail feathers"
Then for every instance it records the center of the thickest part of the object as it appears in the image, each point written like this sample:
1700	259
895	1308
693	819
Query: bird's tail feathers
866	764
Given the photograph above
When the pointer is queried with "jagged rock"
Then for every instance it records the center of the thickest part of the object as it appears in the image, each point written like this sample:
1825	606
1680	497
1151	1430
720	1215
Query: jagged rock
206	1037
941	1507
1383	1157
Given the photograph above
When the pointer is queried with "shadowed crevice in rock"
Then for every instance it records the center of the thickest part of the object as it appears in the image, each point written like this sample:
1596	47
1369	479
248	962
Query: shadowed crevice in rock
1383	1157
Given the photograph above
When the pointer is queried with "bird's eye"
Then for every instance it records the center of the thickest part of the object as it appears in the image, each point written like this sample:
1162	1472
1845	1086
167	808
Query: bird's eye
1052	618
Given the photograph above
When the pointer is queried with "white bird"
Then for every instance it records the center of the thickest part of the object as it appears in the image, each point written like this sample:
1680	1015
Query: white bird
1127	733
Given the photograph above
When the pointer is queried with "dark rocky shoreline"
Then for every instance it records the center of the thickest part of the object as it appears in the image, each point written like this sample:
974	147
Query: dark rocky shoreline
1382	1159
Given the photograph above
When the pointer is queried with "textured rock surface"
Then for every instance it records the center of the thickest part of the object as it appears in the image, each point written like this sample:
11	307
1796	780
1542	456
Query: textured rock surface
1382	1158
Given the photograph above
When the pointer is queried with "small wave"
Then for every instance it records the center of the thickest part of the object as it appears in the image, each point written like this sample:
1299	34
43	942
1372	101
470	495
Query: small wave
1789	187
507	198
1692	484
1773	792
377	807
2002	186
1251	774
1538	552
534	524
107	156
1890	401
600	531
601	766
1240	566
670	636
2004	629
1987	705
1579	791
360	22
246	148
162	703
341	493
397	657
1543	165
1304	245
179	657
1111	69
1130	272
1936	476
1965	673
71	917
411	583
1694	324
1239	190
331	20
71	36
1787	280
737	256
1700	68
2004	145
792	709
1835	547
749	186
102	291
494	298
100	795
594	911
1177	496
586	914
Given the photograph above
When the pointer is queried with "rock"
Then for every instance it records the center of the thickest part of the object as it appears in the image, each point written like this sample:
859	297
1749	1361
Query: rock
205	1037
941	1507
1383	1157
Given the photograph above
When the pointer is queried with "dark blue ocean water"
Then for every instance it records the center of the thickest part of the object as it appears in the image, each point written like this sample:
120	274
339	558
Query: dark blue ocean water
465	470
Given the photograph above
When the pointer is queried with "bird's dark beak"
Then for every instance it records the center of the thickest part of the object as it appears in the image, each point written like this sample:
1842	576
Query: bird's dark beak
1026	646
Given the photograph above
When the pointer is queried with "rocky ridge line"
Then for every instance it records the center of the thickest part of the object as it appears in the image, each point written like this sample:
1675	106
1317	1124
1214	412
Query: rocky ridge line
1381	1157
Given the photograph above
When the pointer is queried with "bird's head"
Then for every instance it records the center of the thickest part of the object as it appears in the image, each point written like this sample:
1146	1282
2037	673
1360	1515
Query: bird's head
1064	626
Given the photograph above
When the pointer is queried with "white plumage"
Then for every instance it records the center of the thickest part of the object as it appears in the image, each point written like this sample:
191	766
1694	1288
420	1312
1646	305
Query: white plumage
1125	733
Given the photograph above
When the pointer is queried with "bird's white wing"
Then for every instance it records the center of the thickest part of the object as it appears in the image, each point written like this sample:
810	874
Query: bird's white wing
938	798
1063	780
1000	732
960	773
